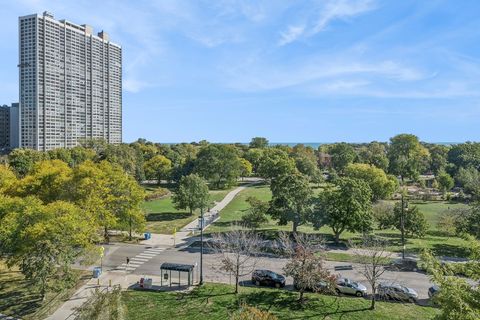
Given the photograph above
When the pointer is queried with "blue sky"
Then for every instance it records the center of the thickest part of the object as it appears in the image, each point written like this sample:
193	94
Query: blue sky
309	71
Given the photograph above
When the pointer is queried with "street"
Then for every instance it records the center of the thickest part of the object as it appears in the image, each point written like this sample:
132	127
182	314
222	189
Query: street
146	261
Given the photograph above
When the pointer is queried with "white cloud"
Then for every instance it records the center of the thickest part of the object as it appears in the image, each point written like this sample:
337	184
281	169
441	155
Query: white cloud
291	34
319	18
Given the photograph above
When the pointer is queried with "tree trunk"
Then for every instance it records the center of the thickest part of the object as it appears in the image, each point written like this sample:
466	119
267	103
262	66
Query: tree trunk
337	236
130	231
300	299
372	305
237	273
295	226
105	235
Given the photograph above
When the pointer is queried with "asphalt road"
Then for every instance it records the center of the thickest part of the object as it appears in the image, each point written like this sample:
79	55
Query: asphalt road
145	260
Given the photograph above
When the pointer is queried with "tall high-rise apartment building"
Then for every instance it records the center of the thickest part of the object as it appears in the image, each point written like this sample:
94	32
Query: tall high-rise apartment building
70	84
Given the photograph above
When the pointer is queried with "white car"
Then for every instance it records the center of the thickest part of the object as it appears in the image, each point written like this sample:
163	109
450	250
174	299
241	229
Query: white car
348	286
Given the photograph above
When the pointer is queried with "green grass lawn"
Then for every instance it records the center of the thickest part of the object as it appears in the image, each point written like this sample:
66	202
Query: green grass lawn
216	301
162	217
434	240
19	300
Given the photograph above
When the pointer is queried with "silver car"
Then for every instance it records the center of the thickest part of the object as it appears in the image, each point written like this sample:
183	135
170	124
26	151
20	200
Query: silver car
348	286
396	291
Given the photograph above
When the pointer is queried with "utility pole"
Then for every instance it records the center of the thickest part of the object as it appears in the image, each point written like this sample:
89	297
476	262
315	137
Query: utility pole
201	246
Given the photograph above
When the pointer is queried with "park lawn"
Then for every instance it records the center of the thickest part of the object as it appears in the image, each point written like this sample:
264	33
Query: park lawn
435	240
346	257
162	217
19	300
217	301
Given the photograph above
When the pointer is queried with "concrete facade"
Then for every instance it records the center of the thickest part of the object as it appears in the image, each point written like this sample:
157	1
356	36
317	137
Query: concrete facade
70	84
9	127
4	127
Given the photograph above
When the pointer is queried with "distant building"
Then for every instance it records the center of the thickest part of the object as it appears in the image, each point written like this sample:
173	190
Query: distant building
14	126
4	127
9	126
70	84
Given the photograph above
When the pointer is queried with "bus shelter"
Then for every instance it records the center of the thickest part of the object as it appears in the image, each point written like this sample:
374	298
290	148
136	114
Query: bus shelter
182	272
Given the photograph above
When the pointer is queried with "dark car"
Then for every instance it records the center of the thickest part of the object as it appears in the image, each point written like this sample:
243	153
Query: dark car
407	264
268	278
433	290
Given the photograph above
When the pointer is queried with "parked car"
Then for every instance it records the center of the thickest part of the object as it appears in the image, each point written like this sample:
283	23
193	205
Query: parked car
268	278
322	287
348	286
396	291
407	264
433	290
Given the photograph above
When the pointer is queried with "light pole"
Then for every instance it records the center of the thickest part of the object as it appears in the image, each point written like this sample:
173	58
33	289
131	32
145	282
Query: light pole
201	246
402	223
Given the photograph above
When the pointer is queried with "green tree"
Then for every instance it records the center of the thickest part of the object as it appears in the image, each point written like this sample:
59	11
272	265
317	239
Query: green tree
219	164
375	154
438	157
22	160
256	214
445	181
7	179
258	142
291	199
192	193
47	180
106	192
307	166
274	163
158	168
346	207
406	155
381	185
254	156
469	220
342	155
465	155
457	298
415	223
246	169
44	240
469	180
127	157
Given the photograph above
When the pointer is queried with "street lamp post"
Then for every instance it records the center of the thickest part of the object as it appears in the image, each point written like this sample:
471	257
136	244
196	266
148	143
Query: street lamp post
201	246
402	224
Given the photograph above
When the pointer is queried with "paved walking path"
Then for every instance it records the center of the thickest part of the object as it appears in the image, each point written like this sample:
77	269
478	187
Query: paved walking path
120	275
211	216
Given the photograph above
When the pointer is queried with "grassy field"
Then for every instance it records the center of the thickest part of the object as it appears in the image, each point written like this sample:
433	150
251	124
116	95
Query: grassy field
434	240
216	301
162	217
18	299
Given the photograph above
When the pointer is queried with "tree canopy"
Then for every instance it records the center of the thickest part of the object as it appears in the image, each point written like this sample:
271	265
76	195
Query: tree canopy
345	207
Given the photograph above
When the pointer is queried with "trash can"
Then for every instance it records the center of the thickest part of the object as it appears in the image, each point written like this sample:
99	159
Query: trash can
97	271
147	283
148	235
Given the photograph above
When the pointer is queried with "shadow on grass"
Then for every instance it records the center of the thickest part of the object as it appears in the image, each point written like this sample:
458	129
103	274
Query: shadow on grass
167	216
442	249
